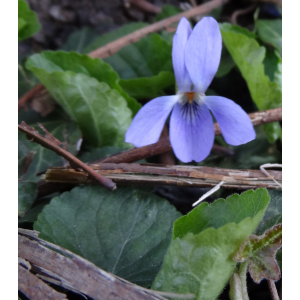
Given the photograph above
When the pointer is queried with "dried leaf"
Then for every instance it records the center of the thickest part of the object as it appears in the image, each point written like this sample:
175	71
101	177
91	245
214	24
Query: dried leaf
261	252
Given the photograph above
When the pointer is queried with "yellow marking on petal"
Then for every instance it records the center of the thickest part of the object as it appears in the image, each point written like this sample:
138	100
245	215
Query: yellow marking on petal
190	96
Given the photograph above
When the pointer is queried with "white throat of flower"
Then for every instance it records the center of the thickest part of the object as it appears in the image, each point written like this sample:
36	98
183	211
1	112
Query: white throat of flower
190	97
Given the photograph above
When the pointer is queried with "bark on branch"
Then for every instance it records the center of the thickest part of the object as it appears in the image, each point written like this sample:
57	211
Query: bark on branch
163	145
78	274
154	174
133	37
51	143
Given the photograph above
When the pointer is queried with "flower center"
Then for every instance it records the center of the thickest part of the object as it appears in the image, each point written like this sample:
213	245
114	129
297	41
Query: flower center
190	96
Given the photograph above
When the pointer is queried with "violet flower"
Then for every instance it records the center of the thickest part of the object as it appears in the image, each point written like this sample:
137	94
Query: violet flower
196	57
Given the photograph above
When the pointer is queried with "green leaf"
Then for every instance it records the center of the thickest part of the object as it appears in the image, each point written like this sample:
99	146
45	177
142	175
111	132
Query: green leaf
32	214
203	263
167	11
226	64
28	24
60	127
270	31
99	153
148	60
221	212
167	36
114	35
125	232
26	80
268	223
50	67
79	39
21	23
237	30
249	57
261	251
275	206
27	192
101	112
145	88
273	214
145	58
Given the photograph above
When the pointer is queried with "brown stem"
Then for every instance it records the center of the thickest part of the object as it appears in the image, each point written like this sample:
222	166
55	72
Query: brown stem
146	6
133	37
273	290
116	45
51	143
75	273
241	12
30	94
163	145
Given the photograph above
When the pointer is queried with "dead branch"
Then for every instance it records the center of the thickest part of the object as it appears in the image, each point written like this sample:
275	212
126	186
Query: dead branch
163	145
51	143
241	12
34	288
116	45
146	6
154	174
29	95
133	37
80	274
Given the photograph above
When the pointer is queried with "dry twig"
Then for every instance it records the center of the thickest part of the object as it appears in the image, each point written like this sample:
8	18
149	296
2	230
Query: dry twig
154	174
133	37
163	145
50	142
81	275
146	6
241	12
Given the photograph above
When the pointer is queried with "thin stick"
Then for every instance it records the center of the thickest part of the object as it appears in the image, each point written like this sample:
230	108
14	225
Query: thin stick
51	143
273	290
146	6
133	37
163	145
30	94
241	12
116	45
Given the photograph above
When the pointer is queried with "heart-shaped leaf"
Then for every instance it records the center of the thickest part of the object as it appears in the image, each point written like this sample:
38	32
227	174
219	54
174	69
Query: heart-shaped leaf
125	232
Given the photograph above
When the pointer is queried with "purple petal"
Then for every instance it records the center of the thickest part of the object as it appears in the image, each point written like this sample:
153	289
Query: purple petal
179	41
191	131
147	125
203	53
235	124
